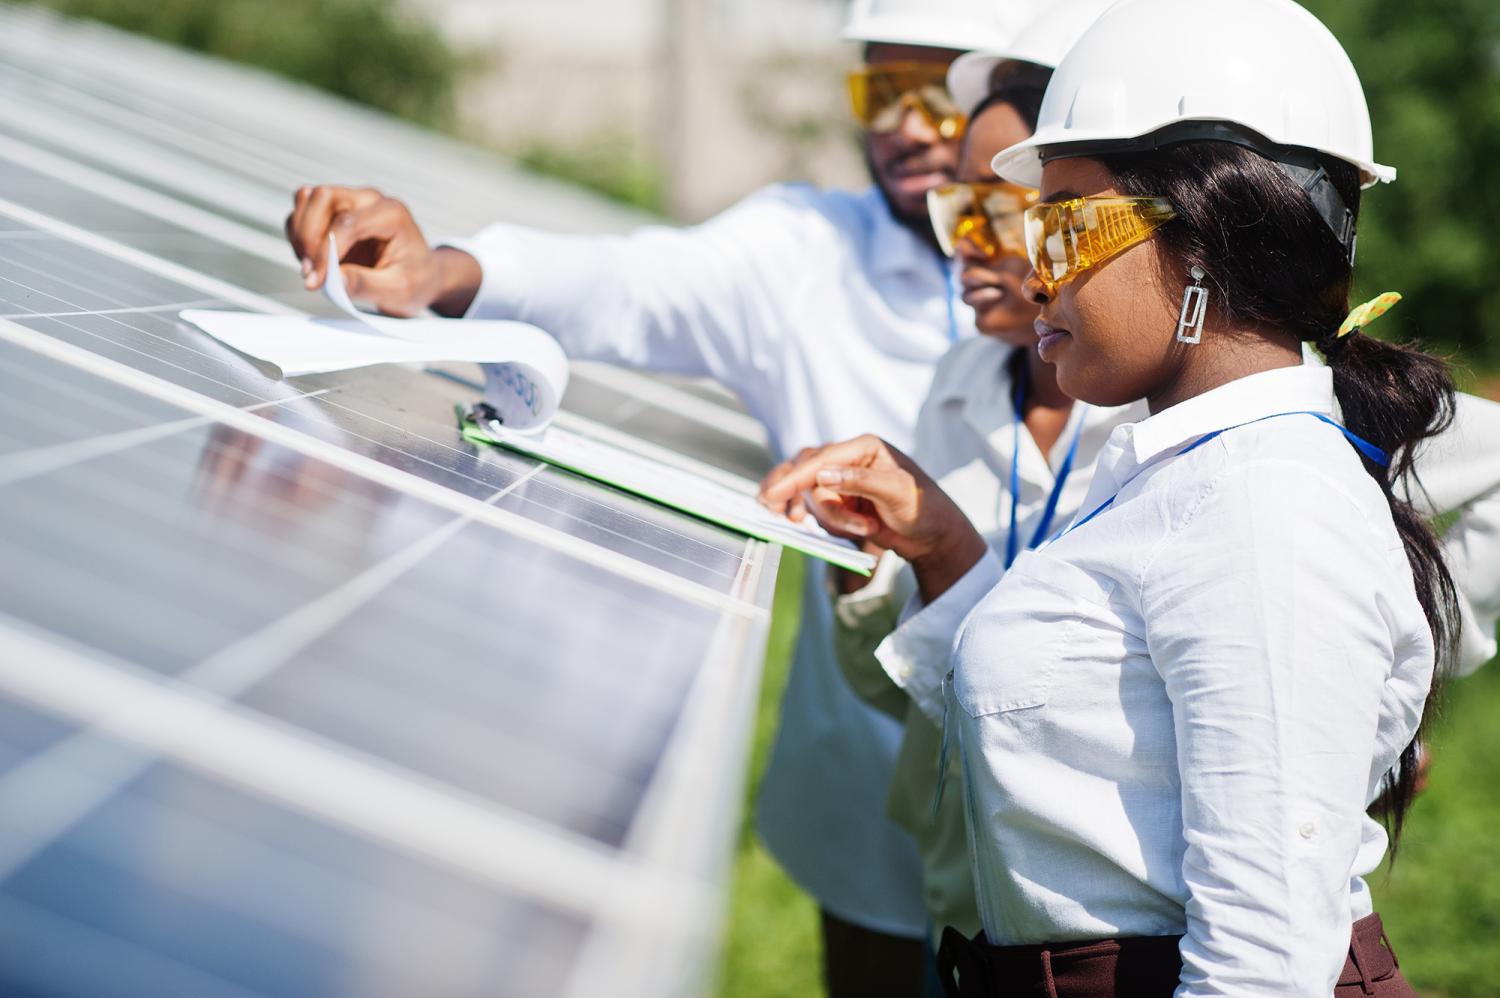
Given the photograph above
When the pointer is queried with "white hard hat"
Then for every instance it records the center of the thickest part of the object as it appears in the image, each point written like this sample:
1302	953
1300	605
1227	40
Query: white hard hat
1264	73
961	25
1043	42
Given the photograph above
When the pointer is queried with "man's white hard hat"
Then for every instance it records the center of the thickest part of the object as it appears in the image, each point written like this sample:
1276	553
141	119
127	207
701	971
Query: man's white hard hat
962	25
1265	73
1053	30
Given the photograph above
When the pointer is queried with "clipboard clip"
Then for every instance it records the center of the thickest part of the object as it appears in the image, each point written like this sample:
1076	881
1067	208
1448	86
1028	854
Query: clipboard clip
483	414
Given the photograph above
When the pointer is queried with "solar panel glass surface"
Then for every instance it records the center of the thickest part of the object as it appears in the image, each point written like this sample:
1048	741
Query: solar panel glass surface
300	693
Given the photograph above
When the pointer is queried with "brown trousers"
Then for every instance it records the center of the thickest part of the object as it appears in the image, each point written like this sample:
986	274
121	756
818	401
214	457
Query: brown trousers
1139	967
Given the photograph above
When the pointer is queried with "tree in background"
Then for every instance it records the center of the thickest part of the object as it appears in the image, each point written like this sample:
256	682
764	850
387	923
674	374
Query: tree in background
368	50
1431	72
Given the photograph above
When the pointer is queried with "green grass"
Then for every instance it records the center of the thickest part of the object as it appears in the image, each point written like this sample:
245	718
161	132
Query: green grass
772	949
614	164
1440	902
1441	899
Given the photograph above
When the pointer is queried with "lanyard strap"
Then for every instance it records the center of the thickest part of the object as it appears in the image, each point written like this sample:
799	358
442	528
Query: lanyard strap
950	281
1367	449
1049	512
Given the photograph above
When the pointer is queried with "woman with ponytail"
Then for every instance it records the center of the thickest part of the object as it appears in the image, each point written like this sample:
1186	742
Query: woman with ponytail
1173	717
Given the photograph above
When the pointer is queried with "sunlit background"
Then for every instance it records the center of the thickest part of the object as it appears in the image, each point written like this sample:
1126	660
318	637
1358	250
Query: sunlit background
679	107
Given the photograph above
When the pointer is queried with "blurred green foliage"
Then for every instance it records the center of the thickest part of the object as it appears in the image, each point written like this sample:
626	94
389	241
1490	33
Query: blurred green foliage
1440	901
372	51
1431	73
612	164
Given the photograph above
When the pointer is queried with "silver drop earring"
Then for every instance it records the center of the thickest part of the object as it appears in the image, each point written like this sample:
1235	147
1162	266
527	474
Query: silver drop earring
1194	305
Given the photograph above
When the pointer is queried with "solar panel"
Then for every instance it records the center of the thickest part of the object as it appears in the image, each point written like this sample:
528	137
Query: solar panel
301	693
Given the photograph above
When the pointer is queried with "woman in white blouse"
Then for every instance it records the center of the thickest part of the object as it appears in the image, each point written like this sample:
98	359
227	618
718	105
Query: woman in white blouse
1173	717
996	432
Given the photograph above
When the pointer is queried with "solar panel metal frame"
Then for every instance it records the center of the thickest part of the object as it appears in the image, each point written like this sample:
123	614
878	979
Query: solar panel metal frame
671	864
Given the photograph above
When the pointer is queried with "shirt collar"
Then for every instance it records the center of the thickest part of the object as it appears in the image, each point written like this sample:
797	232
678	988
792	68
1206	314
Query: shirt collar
982	383
1287	389
894	248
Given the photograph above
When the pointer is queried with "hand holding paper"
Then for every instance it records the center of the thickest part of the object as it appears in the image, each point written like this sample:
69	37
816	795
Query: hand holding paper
684	490
526	372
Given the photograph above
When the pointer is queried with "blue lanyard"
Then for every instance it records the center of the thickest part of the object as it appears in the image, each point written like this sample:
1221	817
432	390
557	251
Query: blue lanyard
1013	541
1367	449
950	281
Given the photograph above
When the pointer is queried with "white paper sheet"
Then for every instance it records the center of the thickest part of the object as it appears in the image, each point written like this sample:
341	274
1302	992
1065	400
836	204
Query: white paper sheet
526	372
679	489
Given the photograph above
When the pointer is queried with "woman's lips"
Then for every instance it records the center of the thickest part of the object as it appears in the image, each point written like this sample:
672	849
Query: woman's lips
1049	339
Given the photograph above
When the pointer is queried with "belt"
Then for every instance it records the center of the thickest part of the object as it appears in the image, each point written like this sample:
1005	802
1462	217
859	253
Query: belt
1370	956
1137	965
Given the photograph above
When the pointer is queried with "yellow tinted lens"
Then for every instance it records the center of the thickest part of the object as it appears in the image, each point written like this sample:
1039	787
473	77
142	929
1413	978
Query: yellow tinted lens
1004	207
859	95
944	207
1067	238
988	215
881	95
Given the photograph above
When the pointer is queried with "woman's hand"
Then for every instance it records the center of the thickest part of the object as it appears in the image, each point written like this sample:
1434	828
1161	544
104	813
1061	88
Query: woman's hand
385	258
869	491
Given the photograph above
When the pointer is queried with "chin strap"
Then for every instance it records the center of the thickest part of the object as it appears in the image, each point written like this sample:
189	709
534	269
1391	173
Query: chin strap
1318	186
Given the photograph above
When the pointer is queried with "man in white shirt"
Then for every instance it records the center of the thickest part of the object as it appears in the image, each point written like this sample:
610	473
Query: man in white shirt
825	311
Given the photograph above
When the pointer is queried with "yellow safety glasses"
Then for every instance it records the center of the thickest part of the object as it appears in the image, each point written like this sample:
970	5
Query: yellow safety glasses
880	95
1065	238
990	215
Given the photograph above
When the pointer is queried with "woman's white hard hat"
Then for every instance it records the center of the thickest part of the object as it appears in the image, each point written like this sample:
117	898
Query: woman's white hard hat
1262	71
1043	42
961	25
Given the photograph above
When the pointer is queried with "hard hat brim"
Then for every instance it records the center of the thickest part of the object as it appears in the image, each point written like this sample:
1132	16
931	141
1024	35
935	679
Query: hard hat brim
1022	162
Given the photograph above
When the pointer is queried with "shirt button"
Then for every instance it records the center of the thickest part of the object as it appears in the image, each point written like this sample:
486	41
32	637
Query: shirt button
904	672
1307	830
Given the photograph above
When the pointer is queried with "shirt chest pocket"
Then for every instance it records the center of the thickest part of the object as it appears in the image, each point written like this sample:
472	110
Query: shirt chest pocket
1026	629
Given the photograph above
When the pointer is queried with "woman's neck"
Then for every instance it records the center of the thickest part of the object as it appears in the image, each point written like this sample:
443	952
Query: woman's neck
1233	356
1042	387
1046	408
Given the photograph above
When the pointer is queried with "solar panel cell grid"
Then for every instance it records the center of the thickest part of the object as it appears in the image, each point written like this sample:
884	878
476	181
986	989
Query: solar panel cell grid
96	302
300	693
185	887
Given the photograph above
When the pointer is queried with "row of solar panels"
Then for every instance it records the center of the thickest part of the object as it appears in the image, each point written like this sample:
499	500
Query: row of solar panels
300	694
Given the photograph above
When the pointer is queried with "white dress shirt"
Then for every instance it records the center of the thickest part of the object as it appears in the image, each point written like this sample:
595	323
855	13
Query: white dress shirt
897	660
1173	718
967	438
1458	476
826	317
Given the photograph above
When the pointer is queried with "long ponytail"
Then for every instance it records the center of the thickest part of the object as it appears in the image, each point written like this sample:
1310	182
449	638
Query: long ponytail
1396	397
1273	263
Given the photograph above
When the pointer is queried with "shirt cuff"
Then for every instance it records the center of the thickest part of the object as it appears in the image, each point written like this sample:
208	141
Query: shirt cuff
873	598
918	654
496	255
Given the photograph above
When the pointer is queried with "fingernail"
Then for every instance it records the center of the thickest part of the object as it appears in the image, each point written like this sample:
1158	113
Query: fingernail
857	529
306	267
830	476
